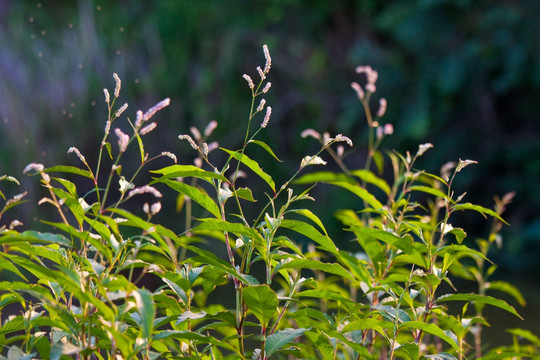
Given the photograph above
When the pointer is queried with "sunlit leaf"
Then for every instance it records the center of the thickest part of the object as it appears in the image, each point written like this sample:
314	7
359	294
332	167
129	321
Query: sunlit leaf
262	301
480	299
196	195
265	147
253	165
70	170
281	338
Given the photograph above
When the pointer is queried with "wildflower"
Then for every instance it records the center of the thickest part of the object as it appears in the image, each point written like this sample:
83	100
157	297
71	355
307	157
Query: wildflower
261	105
342	138
84	204
107	96
196	133
107	127
312	160
267	87
423	148
78	153
145	130
139	118
261	73
359	92
239	243
464	163
266	117
249	81
205	149
123	140
445	170
118	85
154	109
382	107
268	59
121	110
371	87
310	132
124	185
380	132
145	189
388	129
224	194
153	209
371	75
212	125
198	162
340	150
213	146
170	155
14	224
190	140
33	167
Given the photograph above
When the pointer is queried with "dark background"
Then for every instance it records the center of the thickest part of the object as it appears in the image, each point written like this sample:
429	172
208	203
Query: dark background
462	74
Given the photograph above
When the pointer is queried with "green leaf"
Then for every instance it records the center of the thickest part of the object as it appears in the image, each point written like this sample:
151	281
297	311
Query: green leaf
366	324
441	356
262	301
245	193
70	170
310	215
482	210
253	165
34	237
141	146
429	190
325	294
307	230
281	338
360	192
196	195
526	334
330	268
323	176
147	311
370	178
509	289
480	299
431	329
175	171
265	147
504	356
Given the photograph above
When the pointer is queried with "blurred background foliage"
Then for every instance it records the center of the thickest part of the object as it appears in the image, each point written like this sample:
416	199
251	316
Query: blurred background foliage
461	74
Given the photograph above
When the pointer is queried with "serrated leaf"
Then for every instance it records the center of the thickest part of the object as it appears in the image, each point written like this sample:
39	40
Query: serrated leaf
265	147
480	299
281	338
196	195
253	165
70	170
262	301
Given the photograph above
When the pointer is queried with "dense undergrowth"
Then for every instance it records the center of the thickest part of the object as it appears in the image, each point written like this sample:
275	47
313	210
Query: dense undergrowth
77	291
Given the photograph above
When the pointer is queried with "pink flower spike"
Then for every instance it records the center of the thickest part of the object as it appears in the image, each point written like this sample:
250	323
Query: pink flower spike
267	87
310	132
154	109
249	81
118	85
34	167
267	117
145	189
123	139
145	130
268	64
382	107
359	92
212	125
